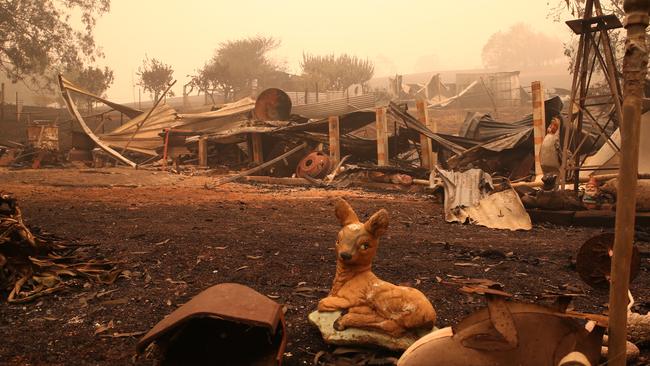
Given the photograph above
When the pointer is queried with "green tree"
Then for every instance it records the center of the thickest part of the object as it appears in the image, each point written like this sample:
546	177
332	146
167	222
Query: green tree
237	66
512	49
213	77
331	72
94	80
36	36
155	76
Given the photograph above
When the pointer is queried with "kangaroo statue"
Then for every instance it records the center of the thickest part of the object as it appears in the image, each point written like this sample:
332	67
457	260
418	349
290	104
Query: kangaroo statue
370	302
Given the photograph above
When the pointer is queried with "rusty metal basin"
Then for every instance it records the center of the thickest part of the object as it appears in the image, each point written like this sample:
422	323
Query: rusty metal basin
508	333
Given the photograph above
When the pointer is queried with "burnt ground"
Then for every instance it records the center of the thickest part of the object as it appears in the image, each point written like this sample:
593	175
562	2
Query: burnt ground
177	238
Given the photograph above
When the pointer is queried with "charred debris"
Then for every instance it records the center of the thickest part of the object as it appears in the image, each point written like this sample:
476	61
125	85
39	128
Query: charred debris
405	140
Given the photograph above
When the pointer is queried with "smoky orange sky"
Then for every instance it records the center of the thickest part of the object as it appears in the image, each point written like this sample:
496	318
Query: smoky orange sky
398	36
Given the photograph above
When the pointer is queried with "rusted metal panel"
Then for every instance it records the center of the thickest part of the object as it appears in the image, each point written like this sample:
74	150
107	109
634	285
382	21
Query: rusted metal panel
220	309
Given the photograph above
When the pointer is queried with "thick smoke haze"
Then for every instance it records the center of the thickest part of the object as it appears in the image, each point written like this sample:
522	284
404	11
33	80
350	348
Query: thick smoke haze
399	37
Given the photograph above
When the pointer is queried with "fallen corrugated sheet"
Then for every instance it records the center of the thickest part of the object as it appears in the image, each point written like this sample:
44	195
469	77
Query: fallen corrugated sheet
142	133
482	127
467	198
500	210
72	108
463	190
497	145
449	101
336	107
347	122
130	112
412	123
143	137
240	107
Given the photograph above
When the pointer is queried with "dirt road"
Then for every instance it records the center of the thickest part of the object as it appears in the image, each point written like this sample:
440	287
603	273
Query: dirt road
177	238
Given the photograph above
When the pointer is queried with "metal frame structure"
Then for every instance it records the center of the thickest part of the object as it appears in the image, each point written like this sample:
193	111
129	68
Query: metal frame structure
593	29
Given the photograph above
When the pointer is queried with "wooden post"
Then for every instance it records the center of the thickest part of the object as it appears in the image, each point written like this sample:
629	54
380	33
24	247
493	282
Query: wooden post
335	144
203	151
635	65
258	155
426	159
382	136
539	123
433	126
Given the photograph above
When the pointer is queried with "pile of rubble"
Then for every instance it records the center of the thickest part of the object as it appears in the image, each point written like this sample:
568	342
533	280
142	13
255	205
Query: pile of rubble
35	263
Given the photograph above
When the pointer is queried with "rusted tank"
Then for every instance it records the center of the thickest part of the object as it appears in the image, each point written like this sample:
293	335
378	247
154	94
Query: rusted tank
272	105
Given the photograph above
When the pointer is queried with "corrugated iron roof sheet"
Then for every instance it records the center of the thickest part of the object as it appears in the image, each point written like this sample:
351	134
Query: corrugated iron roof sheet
336	107
467	198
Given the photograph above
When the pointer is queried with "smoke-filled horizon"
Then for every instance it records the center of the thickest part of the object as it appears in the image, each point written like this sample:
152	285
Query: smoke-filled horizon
398	37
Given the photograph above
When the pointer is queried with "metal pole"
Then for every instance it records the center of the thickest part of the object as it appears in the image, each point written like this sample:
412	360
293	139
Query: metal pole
635	66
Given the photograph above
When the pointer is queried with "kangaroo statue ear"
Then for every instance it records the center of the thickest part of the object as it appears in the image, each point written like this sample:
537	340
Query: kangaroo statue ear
344	212
378	223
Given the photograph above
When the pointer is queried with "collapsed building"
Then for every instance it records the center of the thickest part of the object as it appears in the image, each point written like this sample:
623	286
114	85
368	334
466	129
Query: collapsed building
260	130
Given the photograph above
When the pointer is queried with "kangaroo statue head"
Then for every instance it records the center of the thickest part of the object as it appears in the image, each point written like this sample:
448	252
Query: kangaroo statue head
356	244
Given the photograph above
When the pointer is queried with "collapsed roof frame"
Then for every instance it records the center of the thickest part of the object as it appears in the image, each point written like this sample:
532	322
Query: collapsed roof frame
72	108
